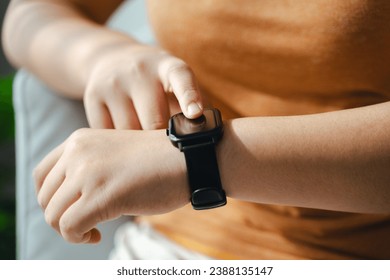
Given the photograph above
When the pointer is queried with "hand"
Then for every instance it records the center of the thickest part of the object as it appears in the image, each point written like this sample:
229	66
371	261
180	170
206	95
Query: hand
99	175
140	87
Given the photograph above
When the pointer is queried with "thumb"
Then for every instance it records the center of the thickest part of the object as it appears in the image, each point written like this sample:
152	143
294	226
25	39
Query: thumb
92	236
181	81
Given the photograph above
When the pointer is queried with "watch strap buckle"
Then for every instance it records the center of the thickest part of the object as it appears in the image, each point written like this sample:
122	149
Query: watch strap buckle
209	197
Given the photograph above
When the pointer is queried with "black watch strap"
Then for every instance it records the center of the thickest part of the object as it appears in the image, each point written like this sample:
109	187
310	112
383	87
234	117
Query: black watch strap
203	177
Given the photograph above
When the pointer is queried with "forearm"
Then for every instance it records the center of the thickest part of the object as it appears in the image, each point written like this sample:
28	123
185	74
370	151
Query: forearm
57	42
335	161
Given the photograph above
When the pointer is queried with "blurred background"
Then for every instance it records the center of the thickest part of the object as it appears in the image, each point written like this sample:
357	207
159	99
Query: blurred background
7	155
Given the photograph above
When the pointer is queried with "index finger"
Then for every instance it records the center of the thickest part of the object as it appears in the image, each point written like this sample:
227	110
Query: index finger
177	77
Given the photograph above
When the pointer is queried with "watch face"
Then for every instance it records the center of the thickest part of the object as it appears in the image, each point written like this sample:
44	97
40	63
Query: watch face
184	126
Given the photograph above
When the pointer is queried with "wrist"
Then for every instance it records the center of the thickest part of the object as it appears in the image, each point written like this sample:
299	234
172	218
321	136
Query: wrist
225	158
172	168
232	160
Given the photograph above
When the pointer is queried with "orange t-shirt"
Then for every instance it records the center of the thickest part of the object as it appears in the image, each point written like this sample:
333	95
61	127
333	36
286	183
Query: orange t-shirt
262	58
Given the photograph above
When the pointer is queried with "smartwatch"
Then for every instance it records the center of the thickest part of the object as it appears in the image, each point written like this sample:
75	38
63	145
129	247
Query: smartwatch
197	139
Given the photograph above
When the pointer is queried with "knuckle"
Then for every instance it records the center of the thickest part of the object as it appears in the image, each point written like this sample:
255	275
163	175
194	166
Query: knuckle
93	88
111	79
91	94
176	67
79	133
157	123
77	140
50	219
137	68
37	175
41	201
81	169
79	151
98	88
112	82
190	94
36	172
68	231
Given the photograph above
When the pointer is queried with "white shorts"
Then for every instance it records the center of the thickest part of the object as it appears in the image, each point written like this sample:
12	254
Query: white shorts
139	241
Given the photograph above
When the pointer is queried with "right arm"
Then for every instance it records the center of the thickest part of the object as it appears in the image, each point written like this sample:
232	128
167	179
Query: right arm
55	40
123	83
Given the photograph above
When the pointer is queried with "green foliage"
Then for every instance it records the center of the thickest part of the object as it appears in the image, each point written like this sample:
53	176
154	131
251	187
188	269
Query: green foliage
7	170
7	122
6	221
7	232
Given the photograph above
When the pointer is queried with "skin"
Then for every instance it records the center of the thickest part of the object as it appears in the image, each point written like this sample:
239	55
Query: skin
337	161
94	64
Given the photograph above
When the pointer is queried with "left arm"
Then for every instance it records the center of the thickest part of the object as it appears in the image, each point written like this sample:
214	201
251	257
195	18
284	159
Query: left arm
336	161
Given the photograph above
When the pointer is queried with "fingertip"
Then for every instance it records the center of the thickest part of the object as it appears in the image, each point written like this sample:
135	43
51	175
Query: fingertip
95	236
92	236
194	110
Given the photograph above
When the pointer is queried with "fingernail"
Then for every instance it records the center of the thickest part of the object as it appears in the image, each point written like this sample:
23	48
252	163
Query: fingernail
193	109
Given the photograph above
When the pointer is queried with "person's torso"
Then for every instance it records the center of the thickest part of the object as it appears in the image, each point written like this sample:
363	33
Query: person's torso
262	58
